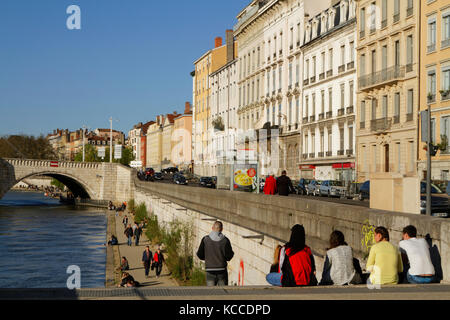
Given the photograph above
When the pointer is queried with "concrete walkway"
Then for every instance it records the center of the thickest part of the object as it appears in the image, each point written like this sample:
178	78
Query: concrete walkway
134	257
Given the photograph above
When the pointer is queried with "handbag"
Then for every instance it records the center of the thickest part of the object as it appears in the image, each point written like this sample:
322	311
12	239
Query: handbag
153	266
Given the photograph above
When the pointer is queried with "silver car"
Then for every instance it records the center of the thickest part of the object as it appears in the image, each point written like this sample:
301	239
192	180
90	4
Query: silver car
332	188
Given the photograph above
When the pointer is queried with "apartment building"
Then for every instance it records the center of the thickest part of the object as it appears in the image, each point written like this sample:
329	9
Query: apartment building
329	94
435	83
388	87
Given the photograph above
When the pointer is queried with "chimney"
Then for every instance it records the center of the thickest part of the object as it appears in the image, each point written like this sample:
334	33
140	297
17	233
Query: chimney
187	107
230	45
218	42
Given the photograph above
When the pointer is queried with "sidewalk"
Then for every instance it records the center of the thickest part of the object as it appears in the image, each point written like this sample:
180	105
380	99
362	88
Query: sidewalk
134	257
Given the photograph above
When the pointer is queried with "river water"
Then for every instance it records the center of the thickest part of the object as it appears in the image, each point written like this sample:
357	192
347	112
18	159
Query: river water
40	239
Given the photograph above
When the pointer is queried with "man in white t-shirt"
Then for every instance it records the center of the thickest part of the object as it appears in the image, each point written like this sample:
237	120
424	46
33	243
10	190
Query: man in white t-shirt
416	253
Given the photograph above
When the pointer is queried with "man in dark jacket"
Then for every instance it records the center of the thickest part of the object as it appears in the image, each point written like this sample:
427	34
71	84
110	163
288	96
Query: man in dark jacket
284	184
147	259
129	234
137	234
216	250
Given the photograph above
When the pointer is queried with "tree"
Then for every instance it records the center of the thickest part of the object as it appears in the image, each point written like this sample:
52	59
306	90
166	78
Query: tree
26	147
90	154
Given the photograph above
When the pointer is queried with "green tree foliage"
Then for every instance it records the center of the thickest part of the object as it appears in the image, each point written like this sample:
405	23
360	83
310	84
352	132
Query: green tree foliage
26	147
91	155
57	184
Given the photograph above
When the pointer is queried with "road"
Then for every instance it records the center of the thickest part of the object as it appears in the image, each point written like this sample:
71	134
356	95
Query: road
168	178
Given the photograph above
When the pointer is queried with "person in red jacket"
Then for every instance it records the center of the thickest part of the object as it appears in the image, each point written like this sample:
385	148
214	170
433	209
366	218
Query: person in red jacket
296	261
270	186
158	260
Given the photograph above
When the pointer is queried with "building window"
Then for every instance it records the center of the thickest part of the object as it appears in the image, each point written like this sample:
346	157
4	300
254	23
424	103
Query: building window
409	53
431	93
445	83
342	96
396	107
410	101
445	130
330	99
362	64
290	74
384	58
362	22
397	53
322	101
313	104
290	112
297	110
363	112
431	35
306	106
396	10
351	93
445	30
385	107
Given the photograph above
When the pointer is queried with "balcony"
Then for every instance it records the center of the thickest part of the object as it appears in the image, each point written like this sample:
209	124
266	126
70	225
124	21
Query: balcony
372	29
322	76
409	117
305	82
350	65
296	84
280	52
330	73
409	11
291	47
273	92
274	55
329	114
312	155
304	156
321	116
445	43
362	34
362	125
431	47
312	118
305	119
329	153
384	24
321	154
382	77
379	125
409	67
298	43
341	68
349	152
349	110
290	87
312	79
279	90
340	152
445	94
431	98
396	17
341	112
396	119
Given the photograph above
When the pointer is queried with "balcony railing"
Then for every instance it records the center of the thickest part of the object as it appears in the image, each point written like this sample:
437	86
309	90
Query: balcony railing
362	125
350	65
312	79
341	112
431	98
445	94
321	154
305	119
349	110
329	153
396	119
330	73
312	155
396	17
382	124
322	76
409	117
291	47
305	82
387	75
296	84
384	24
341	68
298	43
329	114
409	67
431	47
305	156
312	118
321	116
445	43
362	33
409	11
279	90
349	152
340	152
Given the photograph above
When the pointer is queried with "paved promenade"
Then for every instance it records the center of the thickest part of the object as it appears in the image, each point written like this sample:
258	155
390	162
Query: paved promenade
134	257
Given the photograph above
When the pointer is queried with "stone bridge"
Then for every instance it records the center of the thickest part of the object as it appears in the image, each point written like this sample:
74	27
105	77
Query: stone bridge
97	181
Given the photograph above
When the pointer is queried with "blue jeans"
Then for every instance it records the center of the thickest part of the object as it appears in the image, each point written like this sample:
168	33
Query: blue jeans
216	278
419	280
130	240
274	278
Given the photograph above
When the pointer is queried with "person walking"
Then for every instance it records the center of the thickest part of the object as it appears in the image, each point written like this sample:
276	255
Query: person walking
284	184
384	262
147	260
158	260
339	266
125	221
270	186
129	234
416	257
137	234
297	262
215	249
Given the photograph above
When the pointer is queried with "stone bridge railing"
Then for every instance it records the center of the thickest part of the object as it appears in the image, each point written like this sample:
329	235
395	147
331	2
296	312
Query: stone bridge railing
48	163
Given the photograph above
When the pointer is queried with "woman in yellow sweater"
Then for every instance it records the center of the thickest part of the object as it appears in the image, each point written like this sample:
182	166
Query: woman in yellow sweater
384	262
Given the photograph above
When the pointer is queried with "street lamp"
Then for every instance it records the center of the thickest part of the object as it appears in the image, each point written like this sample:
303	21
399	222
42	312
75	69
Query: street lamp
84	129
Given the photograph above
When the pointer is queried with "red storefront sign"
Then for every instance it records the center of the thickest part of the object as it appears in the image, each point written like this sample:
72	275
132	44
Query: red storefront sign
307	167
344	165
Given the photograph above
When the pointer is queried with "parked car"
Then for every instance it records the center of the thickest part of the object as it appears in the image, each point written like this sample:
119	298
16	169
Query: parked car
207	182
332	188
179	179
158	176
364	191
313	188
440	201
170	170
301	186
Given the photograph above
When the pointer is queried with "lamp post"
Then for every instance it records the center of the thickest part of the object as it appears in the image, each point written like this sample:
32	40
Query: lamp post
84	128
111	138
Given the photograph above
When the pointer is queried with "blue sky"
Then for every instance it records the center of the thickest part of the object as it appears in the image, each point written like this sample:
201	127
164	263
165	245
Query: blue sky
131	60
